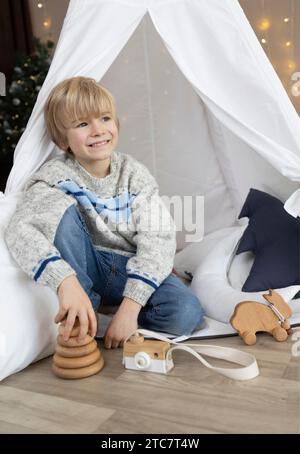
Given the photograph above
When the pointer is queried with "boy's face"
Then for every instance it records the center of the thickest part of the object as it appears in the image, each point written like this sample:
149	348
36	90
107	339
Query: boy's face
93	140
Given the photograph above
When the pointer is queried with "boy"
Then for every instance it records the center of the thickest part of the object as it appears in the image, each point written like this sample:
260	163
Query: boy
80	227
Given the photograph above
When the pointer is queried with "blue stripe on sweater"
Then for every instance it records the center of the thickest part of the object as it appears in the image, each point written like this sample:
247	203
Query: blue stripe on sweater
147	281
43	266
117	208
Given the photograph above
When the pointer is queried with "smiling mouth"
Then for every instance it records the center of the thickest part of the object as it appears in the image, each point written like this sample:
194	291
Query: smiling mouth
99	144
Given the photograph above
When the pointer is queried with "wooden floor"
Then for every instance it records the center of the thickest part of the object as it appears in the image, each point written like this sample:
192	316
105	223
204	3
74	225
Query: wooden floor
190	399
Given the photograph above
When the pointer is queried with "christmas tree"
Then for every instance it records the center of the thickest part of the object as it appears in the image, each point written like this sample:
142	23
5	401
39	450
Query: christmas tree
16	107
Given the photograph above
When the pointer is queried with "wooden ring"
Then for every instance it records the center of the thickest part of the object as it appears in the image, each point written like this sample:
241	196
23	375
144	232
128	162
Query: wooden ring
74	363
83	372
76	322
75	331
76	352
74	341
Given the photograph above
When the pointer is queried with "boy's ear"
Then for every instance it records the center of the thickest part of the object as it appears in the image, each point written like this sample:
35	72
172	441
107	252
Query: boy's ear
65	146
63	142
67	149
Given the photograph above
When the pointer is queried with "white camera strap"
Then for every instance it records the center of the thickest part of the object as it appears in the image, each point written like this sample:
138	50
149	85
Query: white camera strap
248	362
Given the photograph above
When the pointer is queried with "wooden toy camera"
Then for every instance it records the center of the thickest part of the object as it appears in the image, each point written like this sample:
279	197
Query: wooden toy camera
147	355
156	356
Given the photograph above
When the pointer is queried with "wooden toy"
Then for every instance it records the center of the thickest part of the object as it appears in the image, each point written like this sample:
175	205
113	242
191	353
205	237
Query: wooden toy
147	355
76	359
250	317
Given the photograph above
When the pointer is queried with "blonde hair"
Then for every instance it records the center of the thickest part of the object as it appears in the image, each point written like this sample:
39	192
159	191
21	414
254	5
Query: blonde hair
73	99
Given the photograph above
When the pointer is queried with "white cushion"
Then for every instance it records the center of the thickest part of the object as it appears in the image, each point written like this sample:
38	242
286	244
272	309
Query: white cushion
211	283
239	269
27	328
187	261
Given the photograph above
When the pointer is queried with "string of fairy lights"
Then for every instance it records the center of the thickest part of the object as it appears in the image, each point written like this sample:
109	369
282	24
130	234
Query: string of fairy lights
46	19
284	27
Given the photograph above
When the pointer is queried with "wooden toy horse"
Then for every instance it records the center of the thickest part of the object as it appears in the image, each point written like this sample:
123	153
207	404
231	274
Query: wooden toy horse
249	317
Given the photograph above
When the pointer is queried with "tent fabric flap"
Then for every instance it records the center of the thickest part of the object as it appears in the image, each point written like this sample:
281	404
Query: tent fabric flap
217	50
213	45
87	47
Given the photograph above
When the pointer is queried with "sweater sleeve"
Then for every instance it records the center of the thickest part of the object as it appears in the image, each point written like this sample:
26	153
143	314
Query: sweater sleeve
31	232
155	239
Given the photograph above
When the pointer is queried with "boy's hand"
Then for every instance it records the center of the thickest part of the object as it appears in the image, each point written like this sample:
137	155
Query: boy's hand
123	324
74	302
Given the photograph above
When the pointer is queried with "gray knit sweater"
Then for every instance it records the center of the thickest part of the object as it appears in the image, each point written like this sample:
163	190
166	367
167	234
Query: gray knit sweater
123	213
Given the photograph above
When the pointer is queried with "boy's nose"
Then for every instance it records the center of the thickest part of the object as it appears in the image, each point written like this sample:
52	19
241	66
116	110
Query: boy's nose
97	127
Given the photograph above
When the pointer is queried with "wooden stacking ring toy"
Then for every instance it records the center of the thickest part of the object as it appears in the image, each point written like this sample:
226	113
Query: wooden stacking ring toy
76	358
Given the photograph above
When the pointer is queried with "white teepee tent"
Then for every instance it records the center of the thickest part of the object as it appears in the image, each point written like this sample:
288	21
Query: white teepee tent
213	120
231	128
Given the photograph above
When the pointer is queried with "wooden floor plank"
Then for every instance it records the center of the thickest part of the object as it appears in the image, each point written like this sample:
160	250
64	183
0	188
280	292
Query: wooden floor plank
46	414
190	399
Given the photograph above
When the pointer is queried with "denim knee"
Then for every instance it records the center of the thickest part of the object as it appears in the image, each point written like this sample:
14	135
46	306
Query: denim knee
71	220
71	217
185	314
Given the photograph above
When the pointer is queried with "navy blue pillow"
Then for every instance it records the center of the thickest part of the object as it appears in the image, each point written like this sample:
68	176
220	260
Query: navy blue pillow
274	237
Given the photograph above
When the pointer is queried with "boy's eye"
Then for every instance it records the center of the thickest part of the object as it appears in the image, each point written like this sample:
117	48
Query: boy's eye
84	123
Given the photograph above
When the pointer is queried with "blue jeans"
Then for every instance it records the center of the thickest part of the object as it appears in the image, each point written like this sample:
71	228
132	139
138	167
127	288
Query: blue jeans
172	308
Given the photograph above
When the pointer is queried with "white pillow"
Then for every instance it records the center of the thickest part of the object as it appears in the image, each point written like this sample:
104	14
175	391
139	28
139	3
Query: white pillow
239	269
211	284
27	309
187	261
